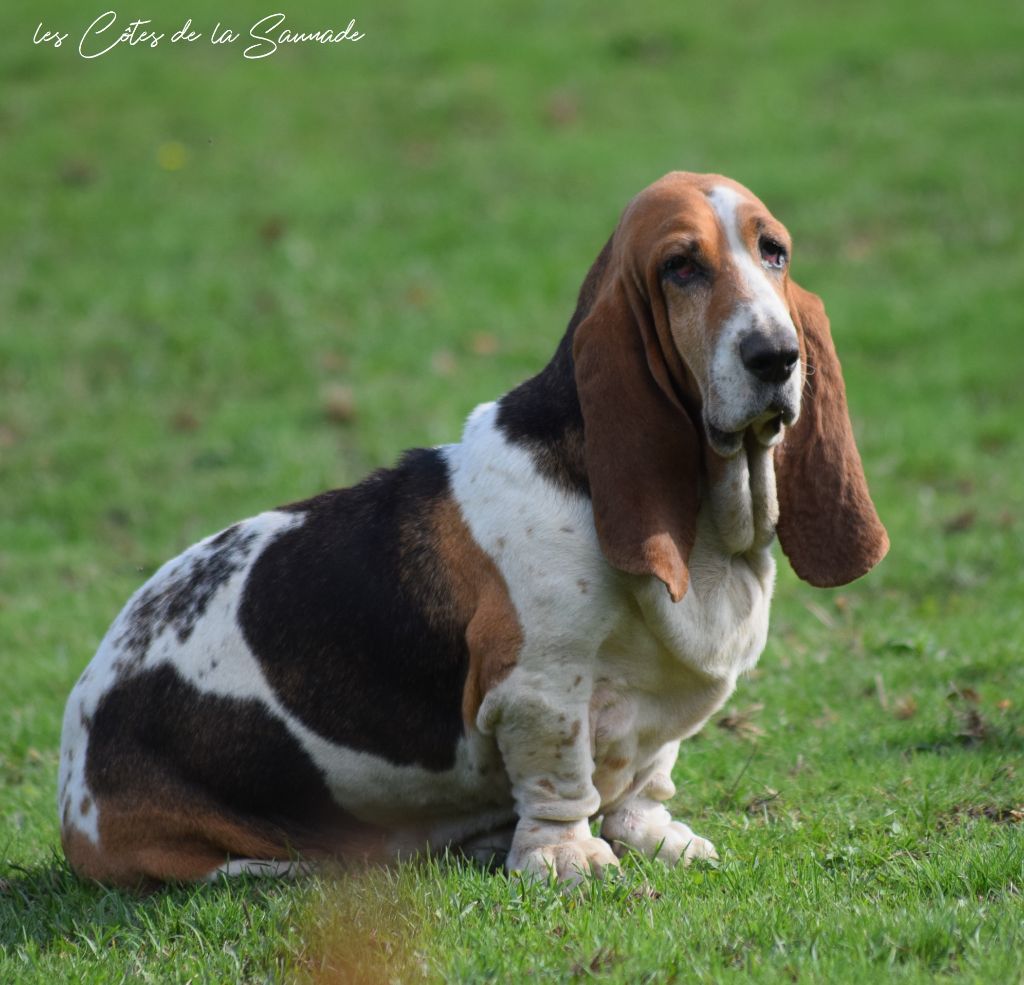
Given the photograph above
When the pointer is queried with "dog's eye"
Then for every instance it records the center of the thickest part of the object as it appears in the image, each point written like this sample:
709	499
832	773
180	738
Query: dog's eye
773	254
682	269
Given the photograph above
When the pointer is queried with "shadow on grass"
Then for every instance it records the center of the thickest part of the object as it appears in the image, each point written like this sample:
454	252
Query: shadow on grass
47	903
354	924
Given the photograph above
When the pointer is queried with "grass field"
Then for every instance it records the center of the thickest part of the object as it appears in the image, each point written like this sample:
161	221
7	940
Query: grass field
229	284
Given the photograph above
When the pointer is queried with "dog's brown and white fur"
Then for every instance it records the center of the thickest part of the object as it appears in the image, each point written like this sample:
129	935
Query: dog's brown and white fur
496	641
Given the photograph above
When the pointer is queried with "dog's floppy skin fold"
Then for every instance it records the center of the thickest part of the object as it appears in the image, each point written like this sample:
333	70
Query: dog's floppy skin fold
496	641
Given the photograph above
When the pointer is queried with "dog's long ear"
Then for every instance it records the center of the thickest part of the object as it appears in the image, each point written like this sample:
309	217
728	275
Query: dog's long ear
828	526
640	446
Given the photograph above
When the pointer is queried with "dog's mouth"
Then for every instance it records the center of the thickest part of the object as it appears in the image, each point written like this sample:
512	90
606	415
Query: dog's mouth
766	429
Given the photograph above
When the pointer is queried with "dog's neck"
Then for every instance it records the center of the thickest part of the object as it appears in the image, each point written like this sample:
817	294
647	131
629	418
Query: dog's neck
741	496
543	415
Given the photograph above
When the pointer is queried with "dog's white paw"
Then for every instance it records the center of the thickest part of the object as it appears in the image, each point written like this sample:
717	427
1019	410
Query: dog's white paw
670	842
569	860
678	841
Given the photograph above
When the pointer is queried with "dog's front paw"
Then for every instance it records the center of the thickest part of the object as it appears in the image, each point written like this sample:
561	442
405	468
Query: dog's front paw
677	841
669	841
568	853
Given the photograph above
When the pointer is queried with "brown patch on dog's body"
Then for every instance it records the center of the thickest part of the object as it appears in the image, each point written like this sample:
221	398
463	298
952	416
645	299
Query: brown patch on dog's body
481	601
144	845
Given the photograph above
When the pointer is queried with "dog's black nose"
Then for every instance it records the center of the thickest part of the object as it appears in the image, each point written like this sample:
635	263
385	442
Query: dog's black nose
768	359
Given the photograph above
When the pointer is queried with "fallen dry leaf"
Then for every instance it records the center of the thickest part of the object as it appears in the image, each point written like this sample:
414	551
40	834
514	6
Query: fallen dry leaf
973	728
961	522
339	402
967	694
759	804
184	420
484	344
990	812
740	721
644	892
604	958
272	229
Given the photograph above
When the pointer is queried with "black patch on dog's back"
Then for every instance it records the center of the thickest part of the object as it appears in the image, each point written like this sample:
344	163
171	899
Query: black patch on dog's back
351	619
543	415
180	600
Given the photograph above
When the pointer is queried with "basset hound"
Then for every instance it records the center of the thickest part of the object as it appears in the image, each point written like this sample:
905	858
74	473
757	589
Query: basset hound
499	642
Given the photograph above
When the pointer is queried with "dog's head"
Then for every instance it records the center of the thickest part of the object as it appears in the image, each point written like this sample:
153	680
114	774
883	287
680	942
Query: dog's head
691	340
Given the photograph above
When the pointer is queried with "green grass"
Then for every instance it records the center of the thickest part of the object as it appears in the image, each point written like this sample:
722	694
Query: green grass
363	242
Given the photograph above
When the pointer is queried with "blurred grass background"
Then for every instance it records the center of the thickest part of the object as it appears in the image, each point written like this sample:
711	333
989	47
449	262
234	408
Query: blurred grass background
229	284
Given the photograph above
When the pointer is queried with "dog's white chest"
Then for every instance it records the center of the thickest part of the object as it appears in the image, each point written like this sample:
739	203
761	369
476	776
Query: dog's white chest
667	667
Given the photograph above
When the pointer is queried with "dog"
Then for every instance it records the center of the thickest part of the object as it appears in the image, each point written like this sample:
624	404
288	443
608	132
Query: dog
497	642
